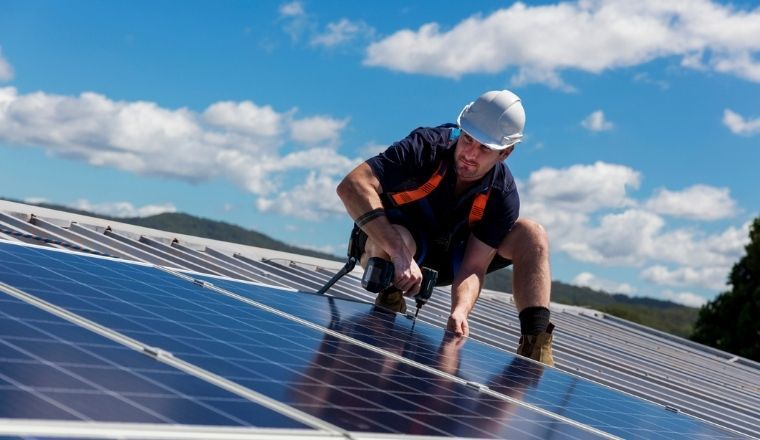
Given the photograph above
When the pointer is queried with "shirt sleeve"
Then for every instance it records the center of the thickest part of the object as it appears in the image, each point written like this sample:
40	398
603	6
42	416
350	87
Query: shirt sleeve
499	218
404	162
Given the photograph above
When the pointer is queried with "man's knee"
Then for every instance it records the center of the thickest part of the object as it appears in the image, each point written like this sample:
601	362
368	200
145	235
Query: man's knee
527	237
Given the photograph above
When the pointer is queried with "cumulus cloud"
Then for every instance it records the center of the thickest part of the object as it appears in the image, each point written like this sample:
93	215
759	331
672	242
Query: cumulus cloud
711	277
6	70
122	209
596	122
591	216
582	188
318	130
739	125
604	35
619	239
295	20
246	118
315	199
634	237
697	202
292	9
588	279
342	32
685	298
240	141
298	23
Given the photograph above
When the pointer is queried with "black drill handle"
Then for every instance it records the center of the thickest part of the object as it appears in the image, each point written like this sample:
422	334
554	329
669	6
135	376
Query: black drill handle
429	278
378	275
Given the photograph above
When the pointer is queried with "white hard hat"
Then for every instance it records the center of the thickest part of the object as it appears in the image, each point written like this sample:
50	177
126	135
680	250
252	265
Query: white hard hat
496	119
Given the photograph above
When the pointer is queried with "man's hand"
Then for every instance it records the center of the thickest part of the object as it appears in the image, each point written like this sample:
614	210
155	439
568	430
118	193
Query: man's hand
458	324
407	276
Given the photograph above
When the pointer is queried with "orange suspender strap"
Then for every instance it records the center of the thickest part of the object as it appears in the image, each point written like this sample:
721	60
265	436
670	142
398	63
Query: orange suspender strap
478	207
477	210
404	197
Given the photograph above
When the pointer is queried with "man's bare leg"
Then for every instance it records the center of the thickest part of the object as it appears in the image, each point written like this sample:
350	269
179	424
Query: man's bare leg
528	247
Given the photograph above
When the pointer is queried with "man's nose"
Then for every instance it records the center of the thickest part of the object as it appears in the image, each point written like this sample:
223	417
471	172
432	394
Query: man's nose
471	153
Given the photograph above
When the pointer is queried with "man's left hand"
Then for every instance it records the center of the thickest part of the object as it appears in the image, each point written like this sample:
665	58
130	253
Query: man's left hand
457	323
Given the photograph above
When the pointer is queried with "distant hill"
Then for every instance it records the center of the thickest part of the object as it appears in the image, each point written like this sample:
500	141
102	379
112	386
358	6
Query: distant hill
663	315
667	316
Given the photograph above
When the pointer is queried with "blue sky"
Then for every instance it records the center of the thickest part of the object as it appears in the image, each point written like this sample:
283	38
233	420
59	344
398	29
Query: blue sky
642	137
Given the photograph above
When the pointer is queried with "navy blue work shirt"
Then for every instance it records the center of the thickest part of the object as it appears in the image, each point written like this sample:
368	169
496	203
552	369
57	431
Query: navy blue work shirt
410	162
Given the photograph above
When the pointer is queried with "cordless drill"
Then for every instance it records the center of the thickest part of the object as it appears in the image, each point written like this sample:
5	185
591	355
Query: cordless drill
378	275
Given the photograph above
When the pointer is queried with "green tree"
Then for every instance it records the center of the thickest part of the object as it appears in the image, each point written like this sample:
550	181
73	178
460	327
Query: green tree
731	321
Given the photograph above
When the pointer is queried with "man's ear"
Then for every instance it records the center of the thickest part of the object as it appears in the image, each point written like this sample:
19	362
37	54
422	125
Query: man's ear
507	151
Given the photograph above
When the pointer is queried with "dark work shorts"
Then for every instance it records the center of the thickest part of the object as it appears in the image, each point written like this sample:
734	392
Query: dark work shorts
438	253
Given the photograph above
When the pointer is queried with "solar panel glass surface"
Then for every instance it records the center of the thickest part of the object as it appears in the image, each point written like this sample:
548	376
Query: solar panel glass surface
550	389
346	384
51	368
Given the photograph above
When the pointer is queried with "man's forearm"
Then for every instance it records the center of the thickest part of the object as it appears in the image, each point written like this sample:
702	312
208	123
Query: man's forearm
464	293
360	194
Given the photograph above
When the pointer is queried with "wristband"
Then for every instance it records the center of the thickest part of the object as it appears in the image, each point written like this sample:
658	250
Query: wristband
369	216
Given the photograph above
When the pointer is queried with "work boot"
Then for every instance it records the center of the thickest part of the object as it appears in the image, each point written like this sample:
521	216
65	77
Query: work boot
391	299
538	347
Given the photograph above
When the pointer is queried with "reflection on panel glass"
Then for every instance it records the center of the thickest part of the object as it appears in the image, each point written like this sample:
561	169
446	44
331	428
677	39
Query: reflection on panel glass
53	369
344	383
547	388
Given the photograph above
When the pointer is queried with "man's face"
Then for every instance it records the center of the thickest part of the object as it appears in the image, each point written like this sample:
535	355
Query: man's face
474	160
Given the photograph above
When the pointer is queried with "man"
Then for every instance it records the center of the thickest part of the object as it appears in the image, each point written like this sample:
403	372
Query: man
444	198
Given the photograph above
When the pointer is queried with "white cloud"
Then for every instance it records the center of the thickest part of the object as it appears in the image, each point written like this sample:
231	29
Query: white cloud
588	279
245	117
620	239
645	78
122	209
315	199
342	32
582	188
710	277
296	21
292	9
240	141
635	238
596	122
580	207
6	70
739	125
318	130
592	36
697	202
685	298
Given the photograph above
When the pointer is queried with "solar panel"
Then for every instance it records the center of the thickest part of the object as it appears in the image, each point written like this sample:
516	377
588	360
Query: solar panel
550	389
355	367
51	368
343	383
